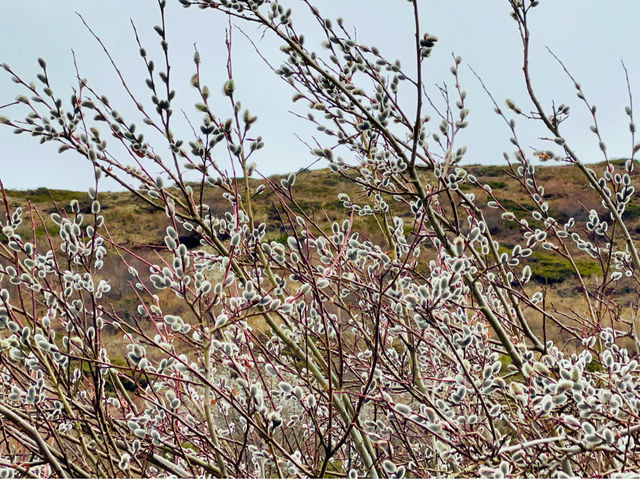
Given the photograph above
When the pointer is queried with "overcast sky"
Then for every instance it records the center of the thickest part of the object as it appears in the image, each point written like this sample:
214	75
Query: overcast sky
591	36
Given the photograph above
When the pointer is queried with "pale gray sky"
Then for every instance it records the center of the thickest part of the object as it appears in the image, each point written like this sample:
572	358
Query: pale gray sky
591	36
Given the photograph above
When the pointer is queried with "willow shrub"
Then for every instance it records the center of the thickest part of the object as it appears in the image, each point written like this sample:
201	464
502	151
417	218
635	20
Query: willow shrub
408	356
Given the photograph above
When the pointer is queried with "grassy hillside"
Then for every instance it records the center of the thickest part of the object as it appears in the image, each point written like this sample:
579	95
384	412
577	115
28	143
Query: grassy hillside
133	223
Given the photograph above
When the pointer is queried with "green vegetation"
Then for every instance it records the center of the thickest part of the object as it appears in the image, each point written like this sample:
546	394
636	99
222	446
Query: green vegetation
51	230
552	268
632	211
517	206
497	185
481	171
281	238
334	469
46	195
594	366
506	371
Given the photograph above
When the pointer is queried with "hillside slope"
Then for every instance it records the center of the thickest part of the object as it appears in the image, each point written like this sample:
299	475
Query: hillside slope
134	224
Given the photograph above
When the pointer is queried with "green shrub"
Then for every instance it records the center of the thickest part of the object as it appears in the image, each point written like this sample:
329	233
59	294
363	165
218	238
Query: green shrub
632	211
516	207
487	171
497	185
551	268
